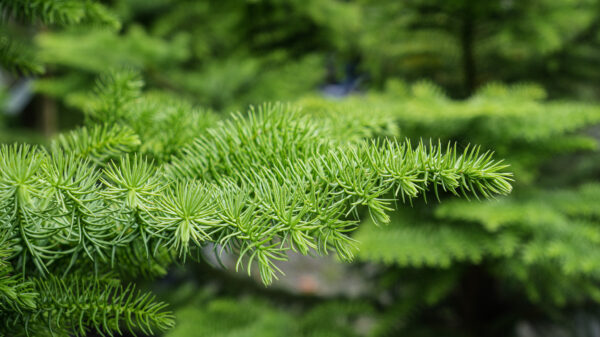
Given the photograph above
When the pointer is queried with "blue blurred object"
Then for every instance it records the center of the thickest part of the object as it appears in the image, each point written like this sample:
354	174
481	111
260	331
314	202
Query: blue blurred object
346	87
19	93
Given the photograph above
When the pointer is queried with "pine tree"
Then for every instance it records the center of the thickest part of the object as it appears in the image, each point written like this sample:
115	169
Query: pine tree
494	262
110	201
226	54
219	54
151	181
464	44
18	15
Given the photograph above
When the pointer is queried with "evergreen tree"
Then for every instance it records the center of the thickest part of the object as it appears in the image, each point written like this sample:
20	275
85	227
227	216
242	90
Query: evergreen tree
464	44
19	15
105	203
220	54
145	181
531	256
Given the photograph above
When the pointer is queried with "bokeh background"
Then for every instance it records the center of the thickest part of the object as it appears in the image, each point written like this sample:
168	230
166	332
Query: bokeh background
521	78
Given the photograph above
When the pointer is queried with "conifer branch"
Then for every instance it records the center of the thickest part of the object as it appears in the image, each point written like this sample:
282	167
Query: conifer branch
62	13
257	186
79	305
17	56
98	143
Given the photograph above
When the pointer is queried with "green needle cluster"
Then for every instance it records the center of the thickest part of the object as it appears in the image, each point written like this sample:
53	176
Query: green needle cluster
255	186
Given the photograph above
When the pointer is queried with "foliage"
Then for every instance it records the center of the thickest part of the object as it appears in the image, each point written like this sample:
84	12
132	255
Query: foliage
201	51
538	244
47	13
462	44
256	185
151	180
208	315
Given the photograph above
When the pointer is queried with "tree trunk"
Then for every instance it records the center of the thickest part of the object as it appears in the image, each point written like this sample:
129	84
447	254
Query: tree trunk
49	117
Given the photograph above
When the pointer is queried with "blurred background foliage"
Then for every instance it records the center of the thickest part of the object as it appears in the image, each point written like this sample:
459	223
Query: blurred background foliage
519	77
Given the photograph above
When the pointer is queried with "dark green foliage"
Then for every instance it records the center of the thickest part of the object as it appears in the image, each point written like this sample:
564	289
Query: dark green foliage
218	54
557	236
16	56
463	44
212	316
62	13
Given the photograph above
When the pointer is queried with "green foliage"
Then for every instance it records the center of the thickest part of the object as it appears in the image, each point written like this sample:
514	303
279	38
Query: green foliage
556	231
515	121
199	50
251	316
63	13
151	180
255	185
17	56
402	242
230	317
227	54
77	306
38	185
463	44
98	143
135	118
538	245
15	295
320	182
135	48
